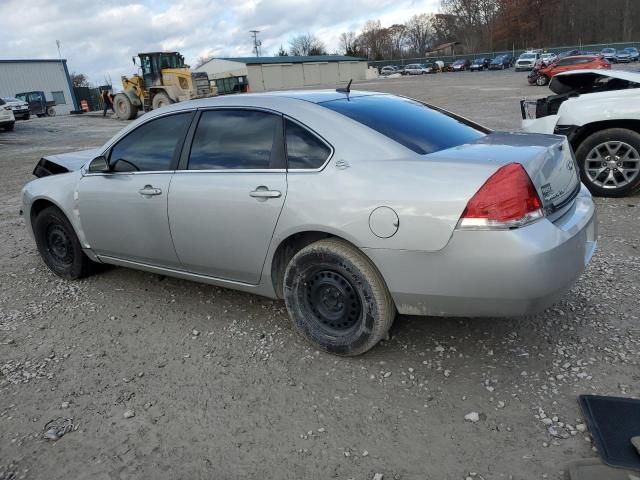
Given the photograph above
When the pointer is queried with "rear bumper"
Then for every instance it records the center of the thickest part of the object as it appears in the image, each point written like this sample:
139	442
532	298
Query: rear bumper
494	273
4	123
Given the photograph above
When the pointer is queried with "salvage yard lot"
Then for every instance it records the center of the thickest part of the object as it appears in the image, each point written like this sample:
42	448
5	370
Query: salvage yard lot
222	387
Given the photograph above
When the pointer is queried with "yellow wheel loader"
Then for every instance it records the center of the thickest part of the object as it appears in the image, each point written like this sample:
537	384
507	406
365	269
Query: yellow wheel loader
164	79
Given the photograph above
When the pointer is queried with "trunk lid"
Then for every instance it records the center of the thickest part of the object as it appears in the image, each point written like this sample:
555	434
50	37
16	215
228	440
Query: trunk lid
547	159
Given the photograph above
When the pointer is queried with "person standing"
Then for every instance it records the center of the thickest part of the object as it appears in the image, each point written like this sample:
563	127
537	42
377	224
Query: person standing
107	101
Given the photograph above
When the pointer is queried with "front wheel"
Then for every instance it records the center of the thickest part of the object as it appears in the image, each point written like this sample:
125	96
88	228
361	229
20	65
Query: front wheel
542	80
125	110
59	246
9	127
336	298
160	100
610	162
51	112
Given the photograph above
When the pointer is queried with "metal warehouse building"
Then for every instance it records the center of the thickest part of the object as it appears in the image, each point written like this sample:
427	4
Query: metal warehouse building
278	73
48	76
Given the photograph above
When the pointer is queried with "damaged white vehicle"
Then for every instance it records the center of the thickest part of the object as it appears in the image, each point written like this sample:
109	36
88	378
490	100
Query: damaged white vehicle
599	112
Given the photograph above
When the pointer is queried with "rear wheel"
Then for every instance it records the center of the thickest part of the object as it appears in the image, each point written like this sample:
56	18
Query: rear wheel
125	110
336	298
160	100
10	127
51	112
610	162
59	246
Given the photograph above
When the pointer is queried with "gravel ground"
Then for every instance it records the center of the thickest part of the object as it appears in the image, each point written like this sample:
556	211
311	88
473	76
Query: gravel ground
164	378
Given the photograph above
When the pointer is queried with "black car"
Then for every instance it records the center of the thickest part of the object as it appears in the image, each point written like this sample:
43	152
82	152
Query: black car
480	64
461	65
501	62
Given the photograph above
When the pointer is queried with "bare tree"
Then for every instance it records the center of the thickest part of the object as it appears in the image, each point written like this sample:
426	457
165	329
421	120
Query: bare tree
419	33
306	44
202	60
349	44
374	39
79	79
397	34
282	52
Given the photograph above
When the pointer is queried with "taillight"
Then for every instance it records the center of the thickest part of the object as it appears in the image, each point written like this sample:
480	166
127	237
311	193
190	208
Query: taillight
507	200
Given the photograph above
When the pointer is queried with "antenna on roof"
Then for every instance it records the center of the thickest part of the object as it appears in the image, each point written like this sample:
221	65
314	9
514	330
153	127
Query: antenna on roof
346	89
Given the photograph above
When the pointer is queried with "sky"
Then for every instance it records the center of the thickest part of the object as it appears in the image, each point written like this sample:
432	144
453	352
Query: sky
98	38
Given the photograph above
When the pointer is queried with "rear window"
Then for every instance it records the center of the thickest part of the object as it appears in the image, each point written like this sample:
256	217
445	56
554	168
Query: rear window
414	125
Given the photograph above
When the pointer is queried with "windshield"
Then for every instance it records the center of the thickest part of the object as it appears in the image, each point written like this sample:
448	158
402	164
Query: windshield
527	56
478	60
10	99
458	62
421	128
623	52
608	50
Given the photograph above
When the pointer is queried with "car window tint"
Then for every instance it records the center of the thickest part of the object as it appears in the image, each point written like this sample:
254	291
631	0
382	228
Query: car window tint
151	146
418	127
231	139
304	149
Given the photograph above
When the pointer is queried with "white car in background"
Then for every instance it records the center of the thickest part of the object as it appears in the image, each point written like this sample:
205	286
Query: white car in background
7	120
527	61
20	107
548	58
416	69
598	111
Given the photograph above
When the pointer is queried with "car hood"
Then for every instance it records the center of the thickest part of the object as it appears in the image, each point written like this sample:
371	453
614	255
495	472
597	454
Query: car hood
16	104
74	160
582	80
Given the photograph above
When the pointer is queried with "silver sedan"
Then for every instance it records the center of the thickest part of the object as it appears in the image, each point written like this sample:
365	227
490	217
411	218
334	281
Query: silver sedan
351	206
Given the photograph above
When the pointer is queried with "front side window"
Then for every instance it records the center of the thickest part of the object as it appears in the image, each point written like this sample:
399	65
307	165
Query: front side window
150	147
234	139
419	127
304	149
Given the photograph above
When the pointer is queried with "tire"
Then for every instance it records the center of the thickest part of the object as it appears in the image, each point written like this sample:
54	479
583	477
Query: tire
10	127
590	163
125	110
355	310
59	246
160	100
542	80
51	112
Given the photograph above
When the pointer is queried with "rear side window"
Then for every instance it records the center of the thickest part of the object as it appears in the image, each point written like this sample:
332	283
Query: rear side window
233	139
151	146
418	127
304	149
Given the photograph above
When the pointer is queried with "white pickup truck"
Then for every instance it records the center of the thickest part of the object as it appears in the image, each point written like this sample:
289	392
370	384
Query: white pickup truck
599	112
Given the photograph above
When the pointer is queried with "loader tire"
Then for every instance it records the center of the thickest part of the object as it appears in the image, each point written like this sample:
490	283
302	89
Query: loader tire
125	110
160	100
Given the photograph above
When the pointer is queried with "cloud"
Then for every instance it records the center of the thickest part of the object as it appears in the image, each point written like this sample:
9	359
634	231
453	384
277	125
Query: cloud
99	38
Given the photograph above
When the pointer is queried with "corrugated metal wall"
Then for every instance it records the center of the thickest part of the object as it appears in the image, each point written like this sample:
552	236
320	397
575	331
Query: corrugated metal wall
47	76
281	76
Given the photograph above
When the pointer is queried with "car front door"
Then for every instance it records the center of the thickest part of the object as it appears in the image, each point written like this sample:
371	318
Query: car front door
225	199
124	212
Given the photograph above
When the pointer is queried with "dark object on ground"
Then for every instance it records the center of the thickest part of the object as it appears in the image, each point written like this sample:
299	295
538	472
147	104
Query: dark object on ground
613	422
594	469
57	428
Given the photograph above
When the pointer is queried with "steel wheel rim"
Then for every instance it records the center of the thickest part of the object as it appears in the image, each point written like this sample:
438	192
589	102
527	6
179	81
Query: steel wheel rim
59	245
333	303
612	164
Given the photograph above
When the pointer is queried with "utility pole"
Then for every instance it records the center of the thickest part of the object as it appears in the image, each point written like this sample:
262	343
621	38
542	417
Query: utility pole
256	43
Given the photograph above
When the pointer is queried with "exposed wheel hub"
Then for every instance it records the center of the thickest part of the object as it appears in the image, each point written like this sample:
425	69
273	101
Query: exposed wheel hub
333	301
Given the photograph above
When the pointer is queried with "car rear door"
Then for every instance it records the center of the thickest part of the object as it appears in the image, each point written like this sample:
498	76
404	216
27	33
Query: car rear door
124	212
227	195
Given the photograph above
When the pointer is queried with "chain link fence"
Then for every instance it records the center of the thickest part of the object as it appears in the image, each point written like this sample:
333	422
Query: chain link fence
591	48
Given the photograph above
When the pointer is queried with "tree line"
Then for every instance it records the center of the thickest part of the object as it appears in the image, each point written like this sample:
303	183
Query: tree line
487	25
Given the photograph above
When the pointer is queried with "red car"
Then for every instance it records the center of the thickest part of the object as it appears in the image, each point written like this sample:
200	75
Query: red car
541	76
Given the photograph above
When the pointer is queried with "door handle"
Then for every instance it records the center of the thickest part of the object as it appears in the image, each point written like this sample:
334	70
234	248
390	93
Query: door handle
264	192
148	190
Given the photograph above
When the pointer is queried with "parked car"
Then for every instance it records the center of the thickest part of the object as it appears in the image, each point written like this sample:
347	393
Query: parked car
255	193
541	76
598	111
609	54
388	70
622	56
38	103
500	62
435	67
461	65
548	58
480	64
19	107
7	120
416	69
527	61
633	52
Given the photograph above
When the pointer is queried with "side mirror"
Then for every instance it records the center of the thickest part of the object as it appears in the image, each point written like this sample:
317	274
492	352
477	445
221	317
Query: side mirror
99	165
